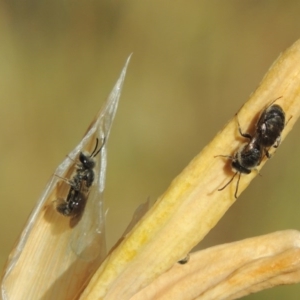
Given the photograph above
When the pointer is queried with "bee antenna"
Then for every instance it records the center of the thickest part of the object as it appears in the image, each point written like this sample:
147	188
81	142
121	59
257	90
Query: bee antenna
99	148
274	101
95	147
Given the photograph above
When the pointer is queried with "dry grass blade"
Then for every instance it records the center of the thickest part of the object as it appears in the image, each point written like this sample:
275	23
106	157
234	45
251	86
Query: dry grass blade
232	270
192	206
55	254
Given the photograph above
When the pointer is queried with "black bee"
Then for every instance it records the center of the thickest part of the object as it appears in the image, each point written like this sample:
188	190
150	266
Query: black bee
268	133
269	127
247	158
80	184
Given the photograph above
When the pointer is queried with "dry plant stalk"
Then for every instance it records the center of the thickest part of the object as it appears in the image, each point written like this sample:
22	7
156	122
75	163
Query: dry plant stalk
54	256
192	206
231	271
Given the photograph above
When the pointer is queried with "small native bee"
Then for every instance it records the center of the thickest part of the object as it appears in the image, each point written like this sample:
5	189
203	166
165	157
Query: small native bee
268	133
80	184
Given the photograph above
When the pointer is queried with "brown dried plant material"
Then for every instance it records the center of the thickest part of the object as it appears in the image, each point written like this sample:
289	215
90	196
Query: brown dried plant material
231	271
55	254
192	206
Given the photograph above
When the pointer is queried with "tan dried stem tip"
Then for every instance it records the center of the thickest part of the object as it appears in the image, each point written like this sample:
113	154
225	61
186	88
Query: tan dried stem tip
55	254
192	205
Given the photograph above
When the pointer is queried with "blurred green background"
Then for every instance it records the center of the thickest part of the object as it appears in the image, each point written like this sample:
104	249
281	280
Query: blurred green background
194	64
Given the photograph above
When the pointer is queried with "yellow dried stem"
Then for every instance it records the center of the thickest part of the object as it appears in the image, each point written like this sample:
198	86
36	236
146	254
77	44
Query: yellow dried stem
192	206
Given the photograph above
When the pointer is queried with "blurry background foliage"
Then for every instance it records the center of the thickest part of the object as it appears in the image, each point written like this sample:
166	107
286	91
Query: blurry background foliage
194	64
